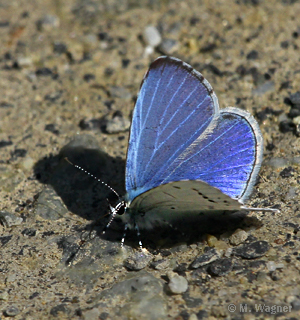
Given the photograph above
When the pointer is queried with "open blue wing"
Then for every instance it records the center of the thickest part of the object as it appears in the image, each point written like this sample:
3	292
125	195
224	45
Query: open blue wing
174	107
227	156
178	133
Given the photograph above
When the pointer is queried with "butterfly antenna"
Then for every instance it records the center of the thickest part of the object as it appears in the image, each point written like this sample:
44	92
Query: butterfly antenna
261	209
113	210
91	175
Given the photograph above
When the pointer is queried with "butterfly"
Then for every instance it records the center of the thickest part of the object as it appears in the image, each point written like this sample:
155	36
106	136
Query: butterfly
186	157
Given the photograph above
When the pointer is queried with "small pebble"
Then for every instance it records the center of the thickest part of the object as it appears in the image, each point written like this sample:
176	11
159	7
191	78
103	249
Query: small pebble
23	62
4	240
192	302
138	261
92	314
59	47
296	120
228	252
48	22
220	267
49	205
287	172
287	126
206	258
296	304
117	124
52	128
54	96
257	265
11	278
29	232
60	309
177	284
3	295
193	316
289	299
89	77
252	55
238	237
119	92
295	98
90	124
27	163
193	45
152	39
272	266
253	250
160	264
152	36
263	88
168	46
211	240
275	275
276	162
9	219
11	311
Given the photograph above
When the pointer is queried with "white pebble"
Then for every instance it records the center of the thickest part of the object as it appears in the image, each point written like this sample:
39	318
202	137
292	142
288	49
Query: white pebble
177	284
238	237
272	266
152	36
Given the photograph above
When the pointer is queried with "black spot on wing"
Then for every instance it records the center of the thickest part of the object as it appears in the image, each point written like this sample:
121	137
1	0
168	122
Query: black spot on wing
204	196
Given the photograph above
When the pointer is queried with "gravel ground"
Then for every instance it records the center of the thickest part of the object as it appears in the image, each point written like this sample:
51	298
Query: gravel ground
69	75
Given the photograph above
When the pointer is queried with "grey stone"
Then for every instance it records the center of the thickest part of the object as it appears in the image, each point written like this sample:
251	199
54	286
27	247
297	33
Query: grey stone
11	311
206	258
139	297
138	261
49	205
117	124
220	267
252	250
9	219
238	237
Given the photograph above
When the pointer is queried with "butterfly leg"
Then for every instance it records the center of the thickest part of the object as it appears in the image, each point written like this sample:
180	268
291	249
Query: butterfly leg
138	235
124	235
113	211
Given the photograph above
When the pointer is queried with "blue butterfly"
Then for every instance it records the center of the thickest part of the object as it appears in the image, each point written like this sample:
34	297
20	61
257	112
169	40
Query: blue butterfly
185	156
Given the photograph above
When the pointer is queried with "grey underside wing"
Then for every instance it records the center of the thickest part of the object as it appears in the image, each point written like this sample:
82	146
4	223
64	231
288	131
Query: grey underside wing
179	200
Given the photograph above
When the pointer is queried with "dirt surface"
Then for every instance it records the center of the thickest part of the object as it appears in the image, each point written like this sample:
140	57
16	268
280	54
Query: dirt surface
69	75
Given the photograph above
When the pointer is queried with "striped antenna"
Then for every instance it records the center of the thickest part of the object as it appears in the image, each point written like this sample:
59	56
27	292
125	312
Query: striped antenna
91	175
113	210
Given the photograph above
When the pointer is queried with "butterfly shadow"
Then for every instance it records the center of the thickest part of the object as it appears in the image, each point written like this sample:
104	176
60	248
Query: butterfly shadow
88	198
80	193
193	230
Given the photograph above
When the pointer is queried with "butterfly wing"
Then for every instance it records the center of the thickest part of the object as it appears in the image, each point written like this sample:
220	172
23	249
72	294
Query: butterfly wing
178	133
227	155
174	107
171	202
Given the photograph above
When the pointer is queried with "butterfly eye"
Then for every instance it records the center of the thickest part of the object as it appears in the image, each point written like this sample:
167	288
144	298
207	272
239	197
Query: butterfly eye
121	211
